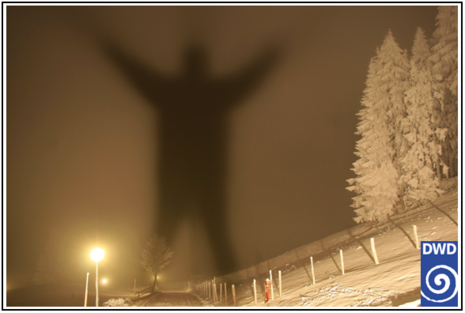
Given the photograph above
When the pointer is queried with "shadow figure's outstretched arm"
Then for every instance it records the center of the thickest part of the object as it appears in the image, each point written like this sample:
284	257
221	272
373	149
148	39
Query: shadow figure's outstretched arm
235	88
154	86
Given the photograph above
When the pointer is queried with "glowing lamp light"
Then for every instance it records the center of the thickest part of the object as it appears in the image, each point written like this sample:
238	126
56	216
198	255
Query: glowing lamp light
97	254
104	281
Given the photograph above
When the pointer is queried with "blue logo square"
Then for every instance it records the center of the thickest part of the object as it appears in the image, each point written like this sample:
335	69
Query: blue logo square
439	273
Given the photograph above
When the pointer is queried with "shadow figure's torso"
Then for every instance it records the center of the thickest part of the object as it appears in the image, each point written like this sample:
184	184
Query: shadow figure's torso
192	171
192	133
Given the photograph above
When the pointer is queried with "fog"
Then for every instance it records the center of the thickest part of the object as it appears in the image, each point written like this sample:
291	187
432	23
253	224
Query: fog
228	129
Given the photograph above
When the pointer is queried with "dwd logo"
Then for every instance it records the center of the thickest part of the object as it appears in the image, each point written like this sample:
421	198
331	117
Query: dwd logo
439	262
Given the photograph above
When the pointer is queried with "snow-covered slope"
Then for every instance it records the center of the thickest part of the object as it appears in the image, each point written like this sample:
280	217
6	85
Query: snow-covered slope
393	282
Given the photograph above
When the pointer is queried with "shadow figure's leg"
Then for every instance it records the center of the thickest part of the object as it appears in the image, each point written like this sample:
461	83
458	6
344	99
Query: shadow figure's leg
220	242
170	213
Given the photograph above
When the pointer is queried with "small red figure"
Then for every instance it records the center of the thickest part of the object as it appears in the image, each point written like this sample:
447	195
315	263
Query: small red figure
267	289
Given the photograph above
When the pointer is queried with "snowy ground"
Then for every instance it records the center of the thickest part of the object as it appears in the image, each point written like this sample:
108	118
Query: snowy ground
393	282
168	299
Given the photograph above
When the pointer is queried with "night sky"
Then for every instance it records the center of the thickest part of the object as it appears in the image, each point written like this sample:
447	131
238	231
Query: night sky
239	152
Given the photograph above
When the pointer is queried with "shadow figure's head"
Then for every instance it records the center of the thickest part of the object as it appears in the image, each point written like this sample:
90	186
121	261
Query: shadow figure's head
195	62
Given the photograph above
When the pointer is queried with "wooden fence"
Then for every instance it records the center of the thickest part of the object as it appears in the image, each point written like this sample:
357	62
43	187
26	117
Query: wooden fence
330	244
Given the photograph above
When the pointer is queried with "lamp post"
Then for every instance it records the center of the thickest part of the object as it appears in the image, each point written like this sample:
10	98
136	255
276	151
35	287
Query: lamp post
96	255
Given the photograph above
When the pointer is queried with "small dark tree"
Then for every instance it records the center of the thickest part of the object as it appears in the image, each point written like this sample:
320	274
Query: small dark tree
155	257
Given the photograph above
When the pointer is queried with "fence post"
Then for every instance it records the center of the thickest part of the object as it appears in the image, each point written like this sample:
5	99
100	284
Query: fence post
234	295
221	293
255	291
280	288
342	262
215	294
416	236
374	250
271	283
313	273
225	295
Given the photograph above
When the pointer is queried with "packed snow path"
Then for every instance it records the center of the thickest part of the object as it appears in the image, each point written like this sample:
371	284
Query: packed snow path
394	281
171	299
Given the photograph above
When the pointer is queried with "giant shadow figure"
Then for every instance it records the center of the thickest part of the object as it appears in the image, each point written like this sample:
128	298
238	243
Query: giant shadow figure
193	138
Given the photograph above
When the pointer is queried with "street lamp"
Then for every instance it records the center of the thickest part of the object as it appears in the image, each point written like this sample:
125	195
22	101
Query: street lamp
96	255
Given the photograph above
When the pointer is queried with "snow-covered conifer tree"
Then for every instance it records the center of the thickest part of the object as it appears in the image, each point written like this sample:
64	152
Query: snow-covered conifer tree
445	73
418	164
382	144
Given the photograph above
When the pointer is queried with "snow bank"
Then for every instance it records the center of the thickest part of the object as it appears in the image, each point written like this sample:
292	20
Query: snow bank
364	284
